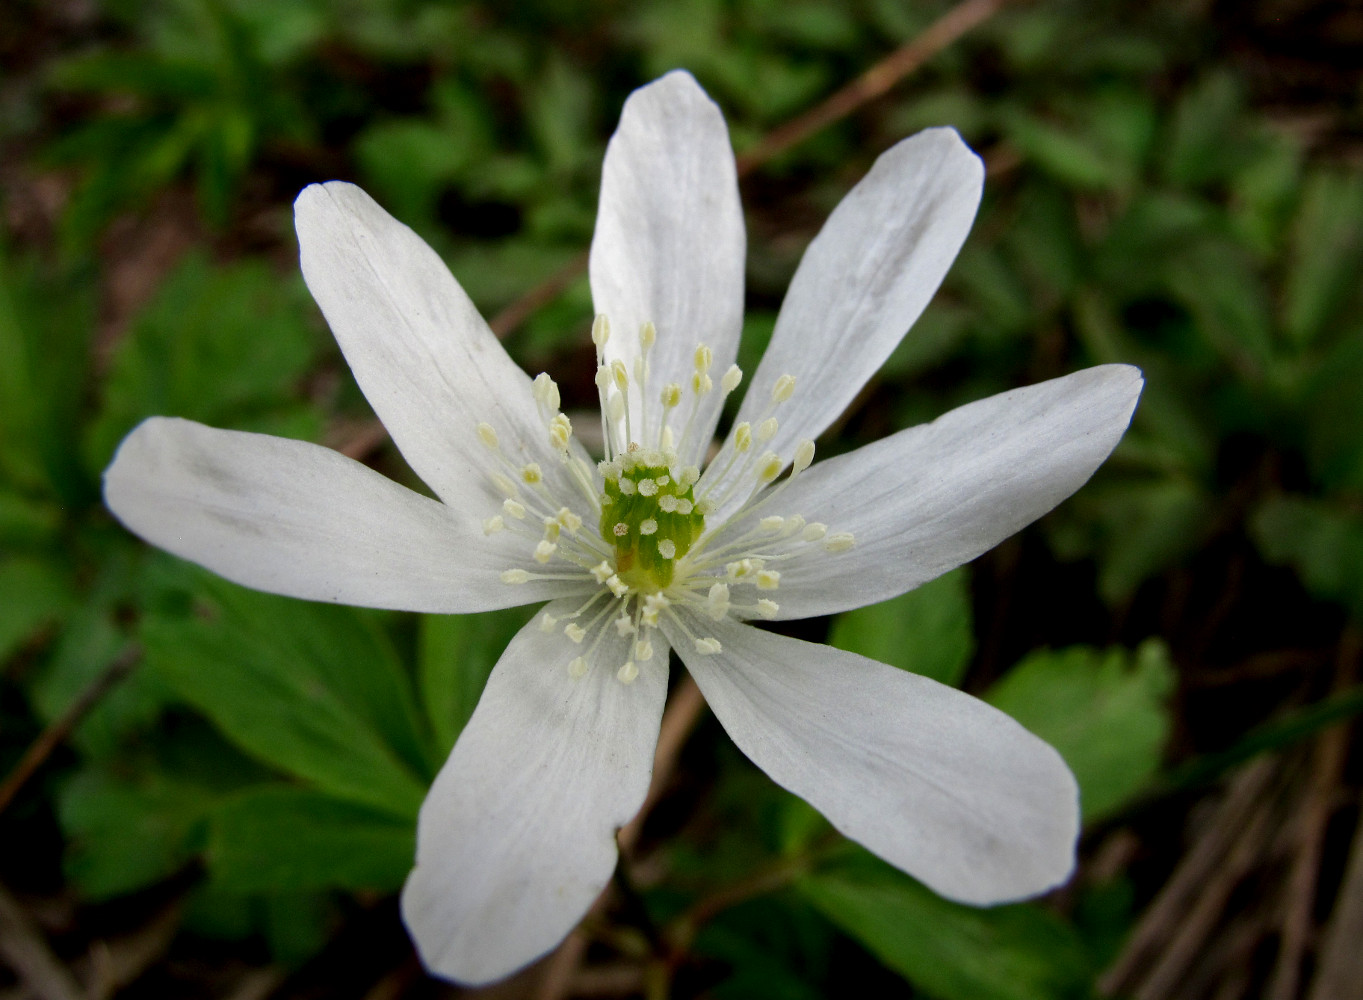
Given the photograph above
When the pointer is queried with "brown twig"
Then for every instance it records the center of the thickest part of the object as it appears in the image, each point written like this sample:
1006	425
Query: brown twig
1190	880
24	950
1313	816
56	733
875	82
1340	969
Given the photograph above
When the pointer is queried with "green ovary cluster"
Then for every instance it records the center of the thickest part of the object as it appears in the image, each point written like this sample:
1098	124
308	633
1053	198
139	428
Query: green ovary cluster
651	517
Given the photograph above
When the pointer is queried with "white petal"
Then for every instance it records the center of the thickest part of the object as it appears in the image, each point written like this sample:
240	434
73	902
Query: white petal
927	499
934	781
669	244
517	835
426	361
295	518
865	279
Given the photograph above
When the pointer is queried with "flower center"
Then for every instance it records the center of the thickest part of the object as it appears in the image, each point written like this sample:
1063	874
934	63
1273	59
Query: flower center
649	513
652	552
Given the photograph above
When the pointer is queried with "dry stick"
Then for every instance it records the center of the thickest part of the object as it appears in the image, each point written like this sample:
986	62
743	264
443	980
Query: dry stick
874	83
1327	770
1339	975
1190	878
1196	925
24	950
682	714
56	733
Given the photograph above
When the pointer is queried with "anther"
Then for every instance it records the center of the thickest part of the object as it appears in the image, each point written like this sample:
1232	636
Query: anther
546	392
515	576
627	673
568	521
547	622
643	650
601	330
804	455
743	437
575	632
577	669
767	608
493	525
648	333
840	542
768	579
544	551
617	586
783	389
768	467
602	572
514	509
671	395
701	383
688	477
772	524
704	358
624	625
649	527
731	379
621	374
505	485
488	436
531	473
766	430
708	646
560	431
814	531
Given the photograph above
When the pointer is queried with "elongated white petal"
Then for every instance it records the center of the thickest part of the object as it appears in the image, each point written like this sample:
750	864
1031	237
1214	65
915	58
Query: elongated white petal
934	781
927	499
295	518
426	361
865	279
517	835
669	244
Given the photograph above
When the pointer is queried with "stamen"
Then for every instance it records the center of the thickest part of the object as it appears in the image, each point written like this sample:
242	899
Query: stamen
560	431
783	389
514	509
627	673
531	473
488	436
767	608
544	551
601	331
766	430
768	579
577	668
575	632
708	646
804	455
731	379
546	392
515	576
814	531
492	525
840	542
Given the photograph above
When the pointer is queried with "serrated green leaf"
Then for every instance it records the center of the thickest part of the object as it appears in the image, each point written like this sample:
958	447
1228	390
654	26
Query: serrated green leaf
951	951
314	690
1105	711
222	345
284	838
927	631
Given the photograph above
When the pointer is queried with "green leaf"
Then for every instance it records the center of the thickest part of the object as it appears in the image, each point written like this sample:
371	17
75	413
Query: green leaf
218	345
282	838
1071	157
33	593
1325	260
1322	542
1333	409
312	689
124	835
1105	711
927	631
455	655
951	951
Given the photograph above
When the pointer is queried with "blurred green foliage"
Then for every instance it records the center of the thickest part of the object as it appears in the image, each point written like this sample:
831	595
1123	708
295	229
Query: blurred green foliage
1141	208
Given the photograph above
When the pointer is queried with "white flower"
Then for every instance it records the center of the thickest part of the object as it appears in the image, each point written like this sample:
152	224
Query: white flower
642	552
